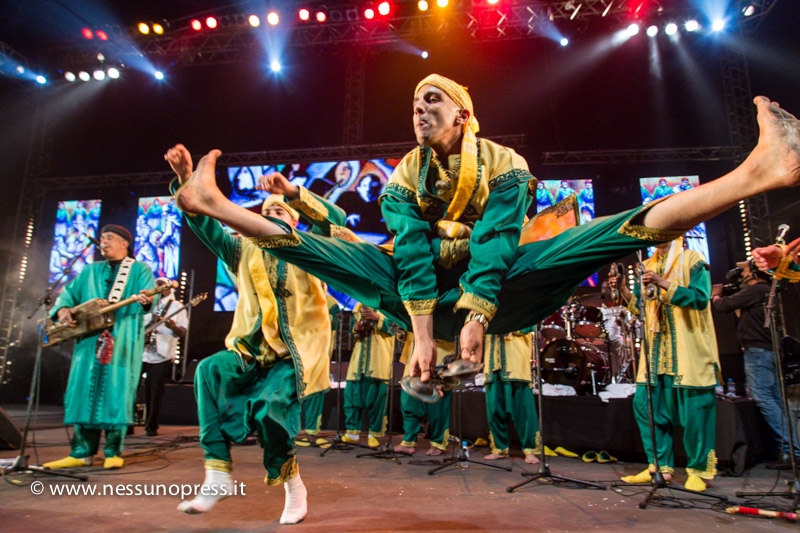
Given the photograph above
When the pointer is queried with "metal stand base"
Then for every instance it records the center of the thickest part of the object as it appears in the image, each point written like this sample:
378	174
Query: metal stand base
463	461
544	473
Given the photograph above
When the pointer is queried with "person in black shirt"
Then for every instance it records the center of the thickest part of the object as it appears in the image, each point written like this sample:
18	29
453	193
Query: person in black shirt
759	357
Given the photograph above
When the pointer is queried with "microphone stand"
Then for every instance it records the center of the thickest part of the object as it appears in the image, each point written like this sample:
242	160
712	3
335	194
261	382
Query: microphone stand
770	321
46	303
657	480
544	469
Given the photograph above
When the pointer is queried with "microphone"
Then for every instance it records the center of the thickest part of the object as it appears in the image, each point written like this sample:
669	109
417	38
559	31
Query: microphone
782	229
93	240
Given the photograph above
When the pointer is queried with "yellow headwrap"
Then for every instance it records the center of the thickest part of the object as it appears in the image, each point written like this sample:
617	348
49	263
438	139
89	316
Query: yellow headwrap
277	199
468	174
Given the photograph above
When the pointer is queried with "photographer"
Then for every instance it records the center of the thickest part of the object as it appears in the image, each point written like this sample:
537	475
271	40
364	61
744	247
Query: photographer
759	359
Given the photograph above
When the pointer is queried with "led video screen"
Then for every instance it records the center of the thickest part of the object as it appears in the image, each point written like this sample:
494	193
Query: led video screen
76	221
659	187
158	235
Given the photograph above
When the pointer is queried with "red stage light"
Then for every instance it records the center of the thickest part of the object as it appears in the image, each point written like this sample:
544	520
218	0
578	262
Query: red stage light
369	13
87	33
196	25
303	14
384	8
211	22
103	36
321	16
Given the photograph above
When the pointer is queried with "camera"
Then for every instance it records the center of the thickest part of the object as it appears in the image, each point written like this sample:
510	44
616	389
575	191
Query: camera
733	278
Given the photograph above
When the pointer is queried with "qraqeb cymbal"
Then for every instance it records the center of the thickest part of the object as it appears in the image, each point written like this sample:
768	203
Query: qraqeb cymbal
597	299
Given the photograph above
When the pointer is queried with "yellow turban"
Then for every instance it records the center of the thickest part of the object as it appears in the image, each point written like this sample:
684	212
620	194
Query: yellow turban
468	174
277	199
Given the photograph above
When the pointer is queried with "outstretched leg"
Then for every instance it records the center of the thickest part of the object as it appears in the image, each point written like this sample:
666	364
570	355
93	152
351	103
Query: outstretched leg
773	164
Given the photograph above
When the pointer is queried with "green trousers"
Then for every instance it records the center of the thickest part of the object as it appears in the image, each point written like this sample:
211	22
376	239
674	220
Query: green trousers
695	410
438	414
370	394
313	406
235	398
511	401
86	440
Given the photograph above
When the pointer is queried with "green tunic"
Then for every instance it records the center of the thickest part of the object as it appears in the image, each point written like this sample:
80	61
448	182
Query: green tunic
102	396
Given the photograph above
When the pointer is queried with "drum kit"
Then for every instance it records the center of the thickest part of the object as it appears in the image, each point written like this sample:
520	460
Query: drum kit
588	344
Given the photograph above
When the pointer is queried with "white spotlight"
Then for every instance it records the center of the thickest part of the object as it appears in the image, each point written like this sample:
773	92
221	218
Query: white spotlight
158	75
20	69
632	30
254	21
69	76
652	31
692	25
41	80
424	54
275	66
749	10
718	25
564	41
84	76
113	73
671	29
99	75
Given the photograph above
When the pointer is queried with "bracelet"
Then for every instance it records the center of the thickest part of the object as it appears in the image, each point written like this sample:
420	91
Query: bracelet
477	317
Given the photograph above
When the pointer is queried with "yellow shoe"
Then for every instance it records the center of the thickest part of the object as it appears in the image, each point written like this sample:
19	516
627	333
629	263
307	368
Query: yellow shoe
589	457
302	443
549	453
695	483
69	462
565	452
322	442
349	440
642	477
481	442
605	457
113	462
372	442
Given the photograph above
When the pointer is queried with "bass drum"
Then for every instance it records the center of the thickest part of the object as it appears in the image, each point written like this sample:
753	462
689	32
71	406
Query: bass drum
566	362
590	325
552	327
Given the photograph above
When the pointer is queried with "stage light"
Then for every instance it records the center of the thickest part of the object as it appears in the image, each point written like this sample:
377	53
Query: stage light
718	25
303	14
254	21
275	66
69	76
84	76
158	75
564	41
671	29
87	33
632	30
20	69
652	30
113	73
492	2
422	5
321	16
144	29
369	13
100	57
99	75
158	29
272	18
196	25
103	36
691	25
41	80
384	8
424	54
748	11
442	3
212	23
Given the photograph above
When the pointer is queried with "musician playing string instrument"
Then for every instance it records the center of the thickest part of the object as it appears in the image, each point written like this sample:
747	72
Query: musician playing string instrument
168	323
105	365
368	374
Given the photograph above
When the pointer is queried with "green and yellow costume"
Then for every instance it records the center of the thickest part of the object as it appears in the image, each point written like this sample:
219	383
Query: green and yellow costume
314	404
684	363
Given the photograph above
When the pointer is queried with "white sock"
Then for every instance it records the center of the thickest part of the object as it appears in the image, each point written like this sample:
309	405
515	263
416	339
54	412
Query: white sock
296	505
217	486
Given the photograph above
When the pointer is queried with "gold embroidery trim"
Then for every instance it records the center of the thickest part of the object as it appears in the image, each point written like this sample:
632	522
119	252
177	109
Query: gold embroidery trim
785	271
633	228
289	469
420	307
276	241
310	206
711	467
476	303
452	251
345	234
219	465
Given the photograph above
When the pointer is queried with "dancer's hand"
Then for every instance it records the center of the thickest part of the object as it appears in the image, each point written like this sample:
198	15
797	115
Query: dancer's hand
767	257
423	357
277	183
471	341
180	160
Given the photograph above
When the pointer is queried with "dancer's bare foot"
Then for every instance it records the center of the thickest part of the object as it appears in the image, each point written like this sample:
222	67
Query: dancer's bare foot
405	449
433	452
776	157
531	459
199	192
495	457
